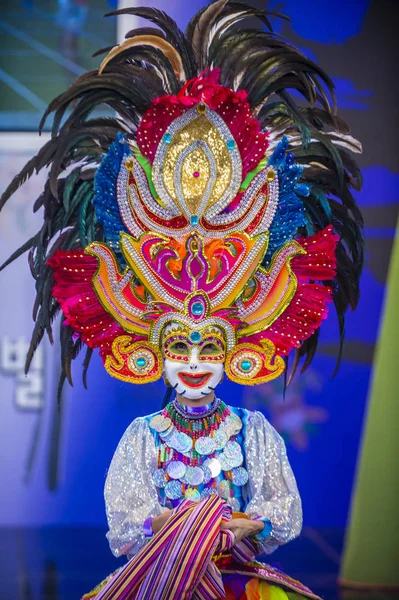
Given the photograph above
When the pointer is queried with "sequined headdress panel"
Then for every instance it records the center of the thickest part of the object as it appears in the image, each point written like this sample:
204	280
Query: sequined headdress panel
187	224
210	207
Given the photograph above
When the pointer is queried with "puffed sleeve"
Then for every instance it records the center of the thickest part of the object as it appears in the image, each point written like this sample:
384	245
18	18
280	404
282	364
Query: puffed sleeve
130	495
273	491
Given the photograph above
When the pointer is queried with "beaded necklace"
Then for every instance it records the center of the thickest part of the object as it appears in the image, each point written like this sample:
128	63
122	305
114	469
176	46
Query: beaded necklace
198	454
197	426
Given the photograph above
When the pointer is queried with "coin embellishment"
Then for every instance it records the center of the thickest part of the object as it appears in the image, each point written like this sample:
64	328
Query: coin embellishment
176	469
159	478
160	423
205	445
173	490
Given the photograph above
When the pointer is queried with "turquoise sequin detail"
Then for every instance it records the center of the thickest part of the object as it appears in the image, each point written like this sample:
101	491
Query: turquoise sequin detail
246	365
195	336
197	308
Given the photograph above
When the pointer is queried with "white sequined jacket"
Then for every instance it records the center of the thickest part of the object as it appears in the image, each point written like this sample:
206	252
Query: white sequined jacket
131	496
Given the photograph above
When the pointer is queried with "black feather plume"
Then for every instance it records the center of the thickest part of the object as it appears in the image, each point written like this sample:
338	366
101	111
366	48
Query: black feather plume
272	71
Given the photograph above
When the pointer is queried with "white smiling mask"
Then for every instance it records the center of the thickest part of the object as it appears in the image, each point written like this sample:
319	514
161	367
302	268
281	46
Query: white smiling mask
193	369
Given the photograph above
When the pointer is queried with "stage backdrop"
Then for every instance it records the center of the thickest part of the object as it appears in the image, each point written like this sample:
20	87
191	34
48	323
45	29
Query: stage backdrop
53	462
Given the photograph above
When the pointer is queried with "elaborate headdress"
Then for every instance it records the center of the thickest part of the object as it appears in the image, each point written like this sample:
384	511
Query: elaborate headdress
212	200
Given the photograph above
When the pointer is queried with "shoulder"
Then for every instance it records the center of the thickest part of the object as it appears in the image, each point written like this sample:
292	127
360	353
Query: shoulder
251	417
148	418
258	419
256	425
244	414
141	423
259	427
136	431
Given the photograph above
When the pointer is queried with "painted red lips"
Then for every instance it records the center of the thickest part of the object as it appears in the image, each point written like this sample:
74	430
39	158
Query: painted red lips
194	380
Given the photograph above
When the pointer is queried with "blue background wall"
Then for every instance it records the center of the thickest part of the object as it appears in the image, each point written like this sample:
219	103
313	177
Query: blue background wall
54	463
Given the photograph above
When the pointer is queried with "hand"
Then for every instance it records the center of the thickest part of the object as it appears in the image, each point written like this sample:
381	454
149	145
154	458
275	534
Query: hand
159	521
243	528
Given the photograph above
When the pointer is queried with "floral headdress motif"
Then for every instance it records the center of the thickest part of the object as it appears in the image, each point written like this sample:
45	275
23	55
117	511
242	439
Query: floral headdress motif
213	205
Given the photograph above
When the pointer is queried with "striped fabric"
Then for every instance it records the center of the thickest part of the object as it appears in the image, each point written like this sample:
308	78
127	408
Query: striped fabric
177	562
243	551
191	558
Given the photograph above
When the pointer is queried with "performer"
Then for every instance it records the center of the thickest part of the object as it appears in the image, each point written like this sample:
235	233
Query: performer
204	230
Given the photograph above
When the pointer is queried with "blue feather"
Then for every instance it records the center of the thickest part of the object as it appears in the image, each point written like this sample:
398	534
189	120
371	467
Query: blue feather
105	202
290	214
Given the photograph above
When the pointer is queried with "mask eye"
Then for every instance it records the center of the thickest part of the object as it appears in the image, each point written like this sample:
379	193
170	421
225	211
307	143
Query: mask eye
179	348
210	349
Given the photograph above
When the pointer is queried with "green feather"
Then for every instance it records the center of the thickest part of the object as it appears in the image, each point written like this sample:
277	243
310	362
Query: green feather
251	174
147	167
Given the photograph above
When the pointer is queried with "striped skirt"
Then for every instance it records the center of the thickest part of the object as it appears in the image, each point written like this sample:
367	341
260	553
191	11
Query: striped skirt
193	558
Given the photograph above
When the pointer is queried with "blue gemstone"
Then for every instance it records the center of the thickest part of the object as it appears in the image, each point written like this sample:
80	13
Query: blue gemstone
246	365
141	362
167	138
195	336
231	144
194	220
197	308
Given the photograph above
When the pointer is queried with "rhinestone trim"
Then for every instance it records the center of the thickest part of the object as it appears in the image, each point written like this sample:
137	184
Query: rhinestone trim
246	263
225	134
116	285
139	263
148	198
125	209
156	330
267	281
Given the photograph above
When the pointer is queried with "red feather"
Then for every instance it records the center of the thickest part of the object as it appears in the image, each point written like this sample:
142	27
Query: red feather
73	274
309	306
231	106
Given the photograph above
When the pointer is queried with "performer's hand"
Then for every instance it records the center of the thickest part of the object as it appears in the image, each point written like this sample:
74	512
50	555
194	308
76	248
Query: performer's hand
159	521
243	527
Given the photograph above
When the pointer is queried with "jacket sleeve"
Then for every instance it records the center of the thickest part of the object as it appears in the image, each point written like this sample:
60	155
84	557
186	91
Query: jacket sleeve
130	495
273	492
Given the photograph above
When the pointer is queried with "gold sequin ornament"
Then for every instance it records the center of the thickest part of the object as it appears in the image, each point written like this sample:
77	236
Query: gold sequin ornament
193	160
